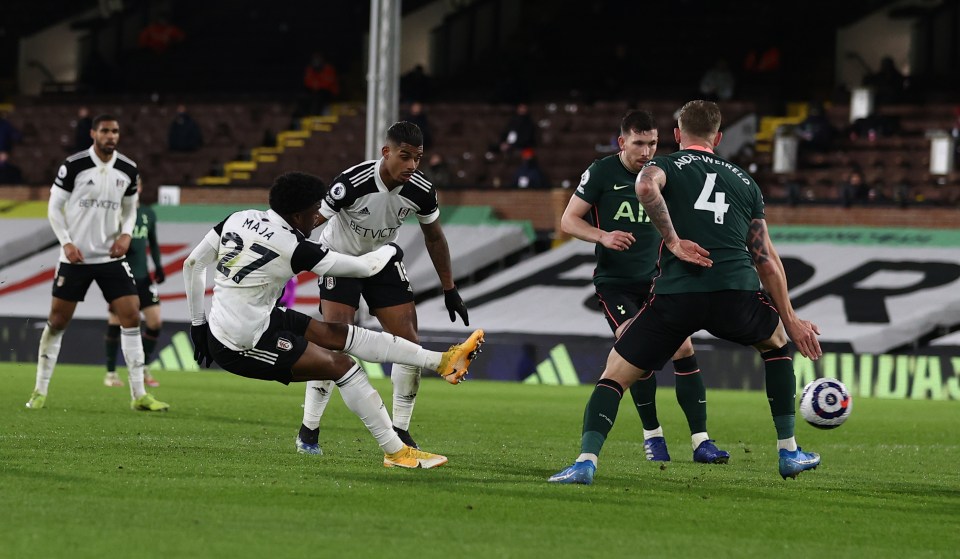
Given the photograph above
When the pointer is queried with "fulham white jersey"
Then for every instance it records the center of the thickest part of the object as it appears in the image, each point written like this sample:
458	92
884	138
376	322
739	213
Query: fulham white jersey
364	214
258	252
96	190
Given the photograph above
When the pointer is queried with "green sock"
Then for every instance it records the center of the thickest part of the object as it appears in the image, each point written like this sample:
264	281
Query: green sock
600	414
149	342
644	393
781	390
111	343
691	394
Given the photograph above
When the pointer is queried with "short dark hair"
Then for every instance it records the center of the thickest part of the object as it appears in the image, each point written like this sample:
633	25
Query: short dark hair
103	118
295	192
700	118
637	121
404	132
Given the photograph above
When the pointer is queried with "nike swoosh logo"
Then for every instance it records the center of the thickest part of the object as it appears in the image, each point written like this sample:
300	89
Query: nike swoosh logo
702	401
621	186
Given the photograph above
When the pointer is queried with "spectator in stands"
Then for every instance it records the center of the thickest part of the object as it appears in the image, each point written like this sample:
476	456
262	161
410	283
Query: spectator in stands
415	85
81	130
439	172
184	135
216	168
9	173
529	174
159	36
321	83
418	116
901	191
520	132
887	82
718	82
9	135
815	132
854	189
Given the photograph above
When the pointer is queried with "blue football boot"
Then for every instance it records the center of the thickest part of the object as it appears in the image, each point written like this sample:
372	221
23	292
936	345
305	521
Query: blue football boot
708	453
656	449
792	463
580	472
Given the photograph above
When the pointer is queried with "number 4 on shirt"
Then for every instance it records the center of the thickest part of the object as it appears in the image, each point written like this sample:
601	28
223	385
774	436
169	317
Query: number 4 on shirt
719	207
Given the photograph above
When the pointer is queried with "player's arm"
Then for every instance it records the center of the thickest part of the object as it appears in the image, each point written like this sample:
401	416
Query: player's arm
128	220
195	283
56	213
312	256
774	280
649	183
439	251
573	223
195	275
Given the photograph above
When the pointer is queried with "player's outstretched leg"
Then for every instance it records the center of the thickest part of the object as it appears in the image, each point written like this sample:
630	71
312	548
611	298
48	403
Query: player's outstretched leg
456	360
598	419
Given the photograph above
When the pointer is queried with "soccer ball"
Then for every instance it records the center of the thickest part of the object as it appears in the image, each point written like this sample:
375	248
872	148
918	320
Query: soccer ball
825	403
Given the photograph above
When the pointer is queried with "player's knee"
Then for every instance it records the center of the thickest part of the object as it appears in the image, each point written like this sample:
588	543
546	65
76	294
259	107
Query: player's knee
686	350
775	353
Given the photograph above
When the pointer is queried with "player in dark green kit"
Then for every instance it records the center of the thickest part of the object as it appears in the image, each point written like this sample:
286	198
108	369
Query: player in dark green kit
144	240
627	246
716	255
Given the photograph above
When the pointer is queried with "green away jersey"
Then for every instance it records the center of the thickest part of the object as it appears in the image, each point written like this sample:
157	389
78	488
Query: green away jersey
144	234
608	187
712	203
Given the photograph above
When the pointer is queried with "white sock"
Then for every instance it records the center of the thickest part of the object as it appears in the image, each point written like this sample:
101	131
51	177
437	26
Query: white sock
587	456
363	400
406	383
382	347
315	401
698	438
49	352
789	444
658	432
132	347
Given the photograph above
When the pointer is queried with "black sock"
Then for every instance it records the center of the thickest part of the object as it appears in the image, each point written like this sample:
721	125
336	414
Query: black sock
149	337
599	415
309	436
781	390
691	394
111	343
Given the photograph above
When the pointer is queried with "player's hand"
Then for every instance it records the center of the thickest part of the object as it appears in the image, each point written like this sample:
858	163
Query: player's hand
691	252
399	255
120	246
616	240
455	306
72	253
159	276
201	351
804	335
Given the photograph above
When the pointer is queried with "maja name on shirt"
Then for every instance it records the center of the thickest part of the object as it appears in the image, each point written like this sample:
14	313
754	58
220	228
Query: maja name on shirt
690	158
372	233
254	226
94	203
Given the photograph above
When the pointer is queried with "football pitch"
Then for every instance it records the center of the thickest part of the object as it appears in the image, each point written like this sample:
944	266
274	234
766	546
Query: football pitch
217	476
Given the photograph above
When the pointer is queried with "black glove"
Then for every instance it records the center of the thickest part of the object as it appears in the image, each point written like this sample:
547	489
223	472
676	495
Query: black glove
455	306
399	255
201	350
159	276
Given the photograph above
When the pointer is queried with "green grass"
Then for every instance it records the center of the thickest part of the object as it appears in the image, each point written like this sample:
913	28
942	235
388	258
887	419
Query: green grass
217	477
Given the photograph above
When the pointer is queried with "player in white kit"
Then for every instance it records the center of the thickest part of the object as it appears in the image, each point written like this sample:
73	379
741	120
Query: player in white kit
256	253
365	207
